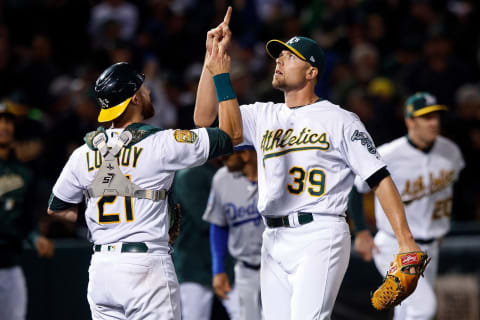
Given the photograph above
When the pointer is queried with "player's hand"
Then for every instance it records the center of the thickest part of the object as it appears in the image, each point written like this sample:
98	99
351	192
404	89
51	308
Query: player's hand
222	33
221	285
218	61
45	247
410	246
364	245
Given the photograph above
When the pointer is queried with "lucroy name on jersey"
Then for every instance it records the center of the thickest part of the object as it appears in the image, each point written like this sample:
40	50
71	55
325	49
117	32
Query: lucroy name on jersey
416	189
127	157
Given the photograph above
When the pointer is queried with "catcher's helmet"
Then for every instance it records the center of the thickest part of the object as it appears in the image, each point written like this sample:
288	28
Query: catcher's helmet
115	88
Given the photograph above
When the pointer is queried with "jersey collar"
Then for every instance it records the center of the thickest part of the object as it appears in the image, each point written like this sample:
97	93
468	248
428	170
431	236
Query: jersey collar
425	150
298	107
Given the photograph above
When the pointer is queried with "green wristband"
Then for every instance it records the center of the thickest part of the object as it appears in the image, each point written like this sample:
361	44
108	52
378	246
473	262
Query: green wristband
224	87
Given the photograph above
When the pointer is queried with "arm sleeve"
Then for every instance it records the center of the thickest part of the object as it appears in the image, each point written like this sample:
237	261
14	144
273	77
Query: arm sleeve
359	151
220	143
378	176
56	204
249	122
180	149
355	208
68	188
218	247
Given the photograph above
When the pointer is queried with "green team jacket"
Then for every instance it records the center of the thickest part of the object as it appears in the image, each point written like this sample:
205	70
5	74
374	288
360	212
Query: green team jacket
191	255
17	219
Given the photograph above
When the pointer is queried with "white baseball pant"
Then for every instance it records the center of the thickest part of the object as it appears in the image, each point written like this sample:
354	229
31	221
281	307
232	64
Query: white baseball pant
197	302
133	286
422	303
247	286
13	294
303	267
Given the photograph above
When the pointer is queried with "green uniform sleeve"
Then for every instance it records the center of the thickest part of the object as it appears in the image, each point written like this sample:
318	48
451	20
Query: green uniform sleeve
355	209
55	204
220	143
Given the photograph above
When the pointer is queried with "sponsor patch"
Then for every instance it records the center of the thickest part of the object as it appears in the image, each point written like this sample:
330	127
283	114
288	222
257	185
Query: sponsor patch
364	140
185	136
408	259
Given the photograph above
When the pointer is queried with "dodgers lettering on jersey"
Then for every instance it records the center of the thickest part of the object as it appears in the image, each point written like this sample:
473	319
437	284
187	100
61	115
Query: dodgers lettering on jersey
425	183
308	156
151	164
233	203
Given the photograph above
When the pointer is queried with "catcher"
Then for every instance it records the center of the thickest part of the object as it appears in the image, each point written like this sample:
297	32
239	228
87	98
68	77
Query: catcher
424	166
125	173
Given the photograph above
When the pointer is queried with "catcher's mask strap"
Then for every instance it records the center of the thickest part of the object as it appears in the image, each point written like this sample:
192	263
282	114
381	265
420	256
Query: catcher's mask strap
154	195
100	142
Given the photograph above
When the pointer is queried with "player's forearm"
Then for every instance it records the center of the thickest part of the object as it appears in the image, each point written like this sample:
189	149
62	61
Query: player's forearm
206	106
230	120
70	214
392	205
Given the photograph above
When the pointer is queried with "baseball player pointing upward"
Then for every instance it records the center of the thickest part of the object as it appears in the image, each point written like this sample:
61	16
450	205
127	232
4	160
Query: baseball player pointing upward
125	173
309	151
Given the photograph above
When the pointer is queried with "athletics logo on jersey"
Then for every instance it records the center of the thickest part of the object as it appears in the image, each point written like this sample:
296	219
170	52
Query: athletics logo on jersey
364	140
185	136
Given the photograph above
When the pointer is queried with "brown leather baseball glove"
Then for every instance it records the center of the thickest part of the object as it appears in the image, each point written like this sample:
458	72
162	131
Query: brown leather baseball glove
401	279
175	221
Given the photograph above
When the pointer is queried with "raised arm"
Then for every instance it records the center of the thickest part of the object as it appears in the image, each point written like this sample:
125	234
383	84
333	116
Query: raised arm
392	205
229	116
206	105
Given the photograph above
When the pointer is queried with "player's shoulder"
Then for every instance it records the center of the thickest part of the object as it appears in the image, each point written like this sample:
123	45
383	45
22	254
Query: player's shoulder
222	175
81	150
446	146
262	107
393	146
340	114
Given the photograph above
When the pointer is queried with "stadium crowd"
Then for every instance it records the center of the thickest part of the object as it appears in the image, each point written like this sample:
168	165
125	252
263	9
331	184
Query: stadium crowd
377	52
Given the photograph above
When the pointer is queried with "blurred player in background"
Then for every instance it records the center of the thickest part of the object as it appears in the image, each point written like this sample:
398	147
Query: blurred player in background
191	255
236	224
424	166
17	223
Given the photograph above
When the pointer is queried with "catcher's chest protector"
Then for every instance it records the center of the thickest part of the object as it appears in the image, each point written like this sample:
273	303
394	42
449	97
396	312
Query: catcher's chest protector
110	181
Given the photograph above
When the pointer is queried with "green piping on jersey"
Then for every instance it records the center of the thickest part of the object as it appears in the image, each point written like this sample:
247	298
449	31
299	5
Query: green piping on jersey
284	152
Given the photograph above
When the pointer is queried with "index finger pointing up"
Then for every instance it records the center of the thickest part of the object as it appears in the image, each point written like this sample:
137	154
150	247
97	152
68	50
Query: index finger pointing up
226	20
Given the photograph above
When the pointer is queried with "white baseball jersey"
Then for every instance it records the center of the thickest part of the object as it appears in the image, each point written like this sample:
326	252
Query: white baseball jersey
233	203
425	183
151	164
307	156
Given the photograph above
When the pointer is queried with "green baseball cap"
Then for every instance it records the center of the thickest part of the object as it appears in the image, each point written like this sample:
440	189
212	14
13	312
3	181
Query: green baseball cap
303	47
422	103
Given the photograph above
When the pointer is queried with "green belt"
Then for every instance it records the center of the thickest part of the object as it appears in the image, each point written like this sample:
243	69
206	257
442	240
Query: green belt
275	222
126	247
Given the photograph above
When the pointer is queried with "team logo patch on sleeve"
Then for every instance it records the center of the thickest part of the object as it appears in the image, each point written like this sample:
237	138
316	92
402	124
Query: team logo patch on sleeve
185	136
364	140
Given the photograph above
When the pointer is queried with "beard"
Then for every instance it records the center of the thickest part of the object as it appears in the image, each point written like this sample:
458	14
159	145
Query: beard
148	111
278	83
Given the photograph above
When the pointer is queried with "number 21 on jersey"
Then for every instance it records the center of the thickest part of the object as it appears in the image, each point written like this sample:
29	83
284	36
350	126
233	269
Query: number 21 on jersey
314	179
104	218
